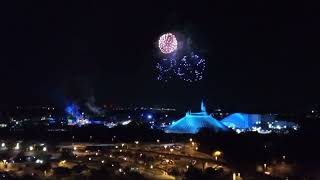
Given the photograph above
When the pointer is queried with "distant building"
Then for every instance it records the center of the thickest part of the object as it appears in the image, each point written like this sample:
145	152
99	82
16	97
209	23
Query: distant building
264	124
193	122
241	120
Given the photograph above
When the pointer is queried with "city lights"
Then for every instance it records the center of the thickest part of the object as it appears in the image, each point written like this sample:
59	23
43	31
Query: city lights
39	161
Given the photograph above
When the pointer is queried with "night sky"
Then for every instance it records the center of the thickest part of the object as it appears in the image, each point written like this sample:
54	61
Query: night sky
260	55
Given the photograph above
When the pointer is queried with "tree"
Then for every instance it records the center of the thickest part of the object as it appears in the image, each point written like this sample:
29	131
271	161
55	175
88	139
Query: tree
193	174
62	171
67	155
174	171
133	175
44	167
100	174
79	168
210	173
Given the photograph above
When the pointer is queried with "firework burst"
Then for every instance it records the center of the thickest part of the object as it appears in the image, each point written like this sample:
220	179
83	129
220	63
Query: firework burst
189	68
168	43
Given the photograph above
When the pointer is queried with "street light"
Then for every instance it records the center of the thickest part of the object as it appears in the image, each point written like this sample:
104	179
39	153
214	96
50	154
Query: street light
31	148
234	176
216	154
190	139
44	149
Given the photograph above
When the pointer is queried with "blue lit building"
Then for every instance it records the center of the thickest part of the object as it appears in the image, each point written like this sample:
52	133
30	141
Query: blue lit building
263	124
193	122
241	120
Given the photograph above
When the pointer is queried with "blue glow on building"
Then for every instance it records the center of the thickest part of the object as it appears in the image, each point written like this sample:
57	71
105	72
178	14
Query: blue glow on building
76	118
241	120
193	122
263	124
73	110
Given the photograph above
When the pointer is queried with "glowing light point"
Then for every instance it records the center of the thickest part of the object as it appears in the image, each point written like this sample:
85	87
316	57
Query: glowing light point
17	147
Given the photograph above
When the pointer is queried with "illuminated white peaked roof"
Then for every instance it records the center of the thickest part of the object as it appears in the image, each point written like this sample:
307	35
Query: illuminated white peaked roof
193	122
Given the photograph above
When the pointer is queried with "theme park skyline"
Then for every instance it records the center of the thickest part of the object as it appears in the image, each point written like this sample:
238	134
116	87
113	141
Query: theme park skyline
164	90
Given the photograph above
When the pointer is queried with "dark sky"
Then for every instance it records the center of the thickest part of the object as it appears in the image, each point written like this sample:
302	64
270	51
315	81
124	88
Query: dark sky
260	55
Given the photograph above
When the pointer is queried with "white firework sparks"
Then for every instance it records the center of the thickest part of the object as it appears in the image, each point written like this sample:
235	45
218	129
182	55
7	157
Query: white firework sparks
189	68
168	43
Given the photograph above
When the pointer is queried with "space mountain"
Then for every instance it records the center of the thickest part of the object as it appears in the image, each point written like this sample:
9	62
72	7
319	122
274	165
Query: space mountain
241	120
193	122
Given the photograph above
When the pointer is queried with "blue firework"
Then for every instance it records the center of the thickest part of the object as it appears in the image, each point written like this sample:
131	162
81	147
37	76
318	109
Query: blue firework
189	68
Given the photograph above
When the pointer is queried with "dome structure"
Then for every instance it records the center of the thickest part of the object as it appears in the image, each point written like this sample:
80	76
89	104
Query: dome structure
193	122
241	120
